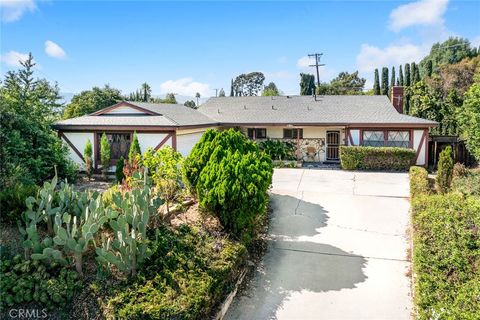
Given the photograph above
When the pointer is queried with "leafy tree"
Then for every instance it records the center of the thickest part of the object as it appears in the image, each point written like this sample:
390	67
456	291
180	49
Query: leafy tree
307	84
376	83
93	100
271	90
87	156
105	154
443	180
190	104
165	167
458	77
384	87
134	148
221	93
392	79
344	83
424	102
29	149
400	75
169	98
469	118
450	51
249	84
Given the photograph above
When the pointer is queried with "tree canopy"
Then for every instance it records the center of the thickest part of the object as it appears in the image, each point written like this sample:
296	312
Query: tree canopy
89	101
248	84
469	118
271	90
344	83
307	84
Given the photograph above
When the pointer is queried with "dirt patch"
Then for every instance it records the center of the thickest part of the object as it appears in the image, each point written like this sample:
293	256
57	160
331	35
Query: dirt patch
194	216
11	238
94	184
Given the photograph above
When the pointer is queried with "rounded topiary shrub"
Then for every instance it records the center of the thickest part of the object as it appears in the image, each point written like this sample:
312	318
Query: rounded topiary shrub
444	176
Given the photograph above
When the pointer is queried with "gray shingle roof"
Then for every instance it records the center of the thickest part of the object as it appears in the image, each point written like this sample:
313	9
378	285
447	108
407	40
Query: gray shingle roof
306	110
117	121
178	113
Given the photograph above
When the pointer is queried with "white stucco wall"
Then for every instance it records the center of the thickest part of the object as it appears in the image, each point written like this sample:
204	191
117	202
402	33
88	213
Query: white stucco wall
419	143
151	140
79	140
355	137
185	142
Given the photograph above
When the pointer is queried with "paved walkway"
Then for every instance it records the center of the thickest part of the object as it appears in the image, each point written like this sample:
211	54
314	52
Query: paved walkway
338	249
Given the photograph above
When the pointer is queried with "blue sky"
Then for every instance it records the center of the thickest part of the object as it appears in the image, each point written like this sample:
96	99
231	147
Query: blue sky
185	47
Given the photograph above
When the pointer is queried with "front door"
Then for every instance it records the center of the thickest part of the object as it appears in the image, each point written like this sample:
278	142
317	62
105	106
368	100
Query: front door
333	144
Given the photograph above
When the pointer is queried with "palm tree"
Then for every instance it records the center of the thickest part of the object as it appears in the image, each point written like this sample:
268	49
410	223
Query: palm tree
197	95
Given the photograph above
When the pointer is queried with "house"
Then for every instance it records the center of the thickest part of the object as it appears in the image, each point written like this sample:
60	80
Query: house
317	125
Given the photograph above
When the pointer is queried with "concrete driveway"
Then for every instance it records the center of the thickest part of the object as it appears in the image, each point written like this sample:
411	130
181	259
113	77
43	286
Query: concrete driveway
337	249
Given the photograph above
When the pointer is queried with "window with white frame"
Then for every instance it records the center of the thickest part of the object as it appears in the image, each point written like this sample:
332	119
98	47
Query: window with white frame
387	138
257	133
293	133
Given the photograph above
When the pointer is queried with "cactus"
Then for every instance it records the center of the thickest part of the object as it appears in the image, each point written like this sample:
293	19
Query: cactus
128	248
75	233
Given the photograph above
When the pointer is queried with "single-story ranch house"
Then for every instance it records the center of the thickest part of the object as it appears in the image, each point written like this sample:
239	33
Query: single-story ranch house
318	125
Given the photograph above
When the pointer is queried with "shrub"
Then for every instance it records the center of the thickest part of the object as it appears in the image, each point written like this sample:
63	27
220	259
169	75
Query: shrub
278	150
119	170
134	148
12	201
188	273
105	154
418	181
87	156
443	180
376	158
459	170
467	184
446	256
164	166
26	281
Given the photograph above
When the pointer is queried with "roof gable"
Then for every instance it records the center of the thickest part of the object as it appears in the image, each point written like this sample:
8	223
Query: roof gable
124	108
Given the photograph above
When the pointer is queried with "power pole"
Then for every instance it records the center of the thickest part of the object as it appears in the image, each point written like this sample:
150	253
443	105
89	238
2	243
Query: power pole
317	64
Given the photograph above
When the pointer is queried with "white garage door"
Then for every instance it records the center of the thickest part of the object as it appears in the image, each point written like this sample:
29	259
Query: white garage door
185	142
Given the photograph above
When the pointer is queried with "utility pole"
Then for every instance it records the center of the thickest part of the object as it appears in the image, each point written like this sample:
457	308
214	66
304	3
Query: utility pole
317	64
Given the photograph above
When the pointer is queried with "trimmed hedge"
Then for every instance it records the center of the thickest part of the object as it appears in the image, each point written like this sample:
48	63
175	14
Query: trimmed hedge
446	256
376	158
418	181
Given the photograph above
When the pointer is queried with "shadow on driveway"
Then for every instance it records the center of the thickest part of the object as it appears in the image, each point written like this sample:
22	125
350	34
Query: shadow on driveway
292	266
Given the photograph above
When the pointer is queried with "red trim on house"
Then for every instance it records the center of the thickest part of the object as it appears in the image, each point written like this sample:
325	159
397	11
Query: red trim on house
164	140
174	141
71	145
123	103
426	147
422	142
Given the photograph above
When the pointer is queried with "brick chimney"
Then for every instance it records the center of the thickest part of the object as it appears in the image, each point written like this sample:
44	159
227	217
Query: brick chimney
397	98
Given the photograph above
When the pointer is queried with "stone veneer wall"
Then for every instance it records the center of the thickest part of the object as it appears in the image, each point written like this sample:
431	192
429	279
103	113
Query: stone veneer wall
317	143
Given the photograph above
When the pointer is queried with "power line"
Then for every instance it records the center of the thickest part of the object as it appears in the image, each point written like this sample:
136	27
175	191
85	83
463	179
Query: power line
317	64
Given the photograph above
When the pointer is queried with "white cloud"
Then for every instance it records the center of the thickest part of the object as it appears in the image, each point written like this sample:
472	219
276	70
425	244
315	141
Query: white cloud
13	58
475	41
54	50
421	12
13	10
304	62
186	87
371	57
280	75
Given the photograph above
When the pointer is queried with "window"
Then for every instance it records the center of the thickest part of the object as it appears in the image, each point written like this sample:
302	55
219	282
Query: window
400	139
119	145
293	133
257	133
373	138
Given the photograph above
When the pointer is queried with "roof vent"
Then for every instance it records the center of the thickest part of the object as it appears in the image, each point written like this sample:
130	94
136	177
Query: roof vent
245	107
218	110
273	108
288	97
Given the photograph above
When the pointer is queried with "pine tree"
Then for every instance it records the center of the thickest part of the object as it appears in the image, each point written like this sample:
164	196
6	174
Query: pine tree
407	75
384	81
401	75
429	68
87	157
134	148
416	75
105	154
376	83
231	89
398	82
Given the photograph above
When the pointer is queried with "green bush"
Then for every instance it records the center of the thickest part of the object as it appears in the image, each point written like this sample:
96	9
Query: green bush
184	278
24	281
278	150
119	175
12	201
87	157
459	170
446	256
376	158
134	148
443	180
105	154
467	184
418	181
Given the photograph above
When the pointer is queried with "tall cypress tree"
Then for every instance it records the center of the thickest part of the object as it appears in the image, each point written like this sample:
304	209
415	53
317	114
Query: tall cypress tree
407	75
398	82
429	68
416	75
384	81
413	74
392	78
231	89
376	84
400	75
